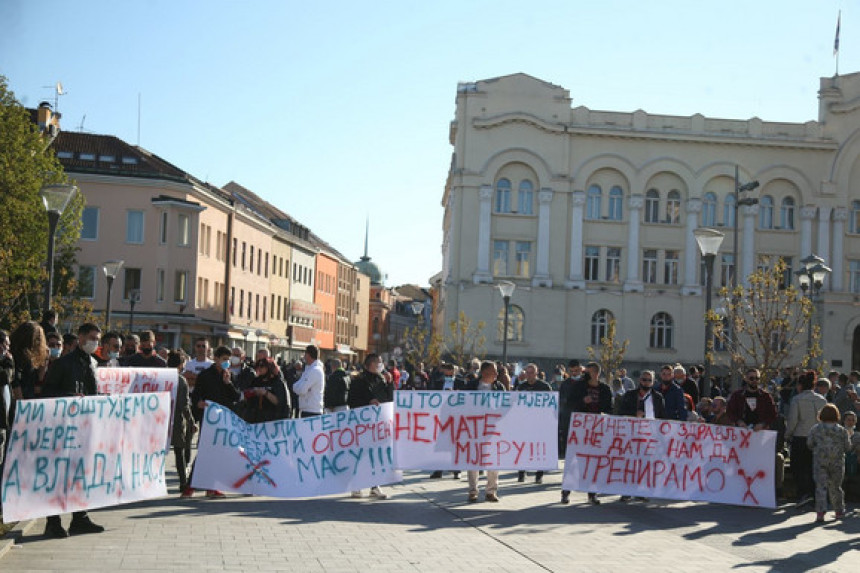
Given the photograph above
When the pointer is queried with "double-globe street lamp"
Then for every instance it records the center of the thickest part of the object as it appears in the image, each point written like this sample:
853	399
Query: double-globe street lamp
506	288
111	269
709	241
811	278
55	198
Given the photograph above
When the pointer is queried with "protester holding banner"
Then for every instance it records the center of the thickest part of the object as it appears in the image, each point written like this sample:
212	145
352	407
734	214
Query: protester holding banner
486	382
590	395
829	442
532	383
215	384
183	419
644	401
370	389
752	407
74	375
565	405
7	372
267	399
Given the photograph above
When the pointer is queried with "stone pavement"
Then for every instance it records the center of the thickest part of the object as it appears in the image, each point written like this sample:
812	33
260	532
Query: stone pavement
427	525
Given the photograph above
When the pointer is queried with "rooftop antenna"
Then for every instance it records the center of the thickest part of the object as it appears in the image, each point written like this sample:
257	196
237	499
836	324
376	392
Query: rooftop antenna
58	91
81	125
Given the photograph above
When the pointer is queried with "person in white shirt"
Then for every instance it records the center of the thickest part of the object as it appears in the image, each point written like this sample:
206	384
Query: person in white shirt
199	363
311	386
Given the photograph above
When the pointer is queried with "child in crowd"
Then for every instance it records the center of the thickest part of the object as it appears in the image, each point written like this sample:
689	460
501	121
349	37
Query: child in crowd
829	442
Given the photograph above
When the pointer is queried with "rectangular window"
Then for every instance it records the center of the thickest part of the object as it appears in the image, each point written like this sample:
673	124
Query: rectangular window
259	261
90	220
232	300
184	231
241	303
613	264
251	260
854	276
132	282
162	229
787	273
87	282
652	207
180	286
257	307
500	258
129	160
670	268
235	250
592	263
649	266
727	269
159	285
523	261
244	253
526	202
134	227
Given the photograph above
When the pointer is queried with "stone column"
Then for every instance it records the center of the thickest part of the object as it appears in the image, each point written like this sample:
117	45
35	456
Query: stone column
634	281
840	215
750	214
691	248
824	234
482	274
576	279
542	277
807	214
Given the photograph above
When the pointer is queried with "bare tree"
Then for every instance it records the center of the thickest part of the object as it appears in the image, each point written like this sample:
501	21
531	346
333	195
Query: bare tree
465	339
610	353
421	345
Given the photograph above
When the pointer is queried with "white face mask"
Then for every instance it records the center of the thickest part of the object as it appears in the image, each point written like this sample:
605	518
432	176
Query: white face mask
234	360
90	346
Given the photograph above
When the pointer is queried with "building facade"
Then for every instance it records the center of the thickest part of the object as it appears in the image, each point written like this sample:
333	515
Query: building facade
591	214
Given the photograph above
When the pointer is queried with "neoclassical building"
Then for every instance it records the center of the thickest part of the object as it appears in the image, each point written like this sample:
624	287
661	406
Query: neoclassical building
591	214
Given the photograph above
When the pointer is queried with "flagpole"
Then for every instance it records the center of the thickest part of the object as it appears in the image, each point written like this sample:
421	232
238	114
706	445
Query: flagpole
836	42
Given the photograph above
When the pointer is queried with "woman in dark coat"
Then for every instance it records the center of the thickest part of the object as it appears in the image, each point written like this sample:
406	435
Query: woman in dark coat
30	353
183	419
267	398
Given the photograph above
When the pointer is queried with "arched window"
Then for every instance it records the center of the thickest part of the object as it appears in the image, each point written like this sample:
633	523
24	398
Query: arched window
599	324
765	212
709	210
652	206
616	202
592	206
673	207
503	196
729	211
525	198
786	214
661	331
854	226
516	323
375	325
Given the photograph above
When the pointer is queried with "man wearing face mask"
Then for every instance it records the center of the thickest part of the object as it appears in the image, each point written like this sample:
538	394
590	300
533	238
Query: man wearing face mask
369	388
243	375
215	384
146	356
74	375
108	353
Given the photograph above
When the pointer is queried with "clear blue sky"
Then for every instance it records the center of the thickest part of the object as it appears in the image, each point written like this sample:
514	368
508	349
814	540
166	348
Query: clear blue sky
338	110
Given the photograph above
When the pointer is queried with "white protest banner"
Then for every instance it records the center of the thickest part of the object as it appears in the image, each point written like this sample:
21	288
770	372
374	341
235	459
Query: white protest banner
323	455
136	380
476	430
669	459
79	453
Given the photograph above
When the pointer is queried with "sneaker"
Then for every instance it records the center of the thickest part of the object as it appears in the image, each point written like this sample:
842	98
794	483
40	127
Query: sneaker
456	475
819	517
436	475
357	494
592	499
840	515
84	525
539	479
491	497
473	498
565	496
521	477
187	492
215	494
55	529
377	493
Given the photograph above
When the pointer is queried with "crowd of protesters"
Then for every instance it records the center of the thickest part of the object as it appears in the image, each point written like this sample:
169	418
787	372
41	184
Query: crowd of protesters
814	417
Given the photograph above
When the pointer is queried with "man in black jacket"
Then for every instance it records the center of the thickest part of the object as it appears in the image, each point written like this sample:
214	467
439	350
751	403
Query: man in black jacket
369	388
336	393
74	375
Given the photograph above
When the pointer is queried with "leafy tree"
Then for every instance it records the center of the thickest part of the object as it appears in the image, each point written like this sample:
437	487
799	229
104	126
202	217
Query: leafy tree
465	340
610	353
769	319
27	164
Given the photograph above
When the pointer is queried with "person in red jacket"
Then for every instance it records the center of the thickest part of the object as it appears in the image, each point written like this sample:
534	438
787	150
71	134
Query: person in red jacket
751	407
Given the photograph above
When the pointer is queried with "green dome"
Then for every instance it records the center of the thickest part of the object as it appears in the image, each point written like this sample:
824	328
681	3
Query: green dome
366	266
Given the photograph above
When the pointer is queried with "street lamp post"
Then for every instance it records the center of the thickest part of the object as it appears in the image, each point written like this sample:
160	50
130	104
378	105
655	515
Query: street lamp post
55	198
110	268
506	288
245	333
133	299
709	241
749	186
811	278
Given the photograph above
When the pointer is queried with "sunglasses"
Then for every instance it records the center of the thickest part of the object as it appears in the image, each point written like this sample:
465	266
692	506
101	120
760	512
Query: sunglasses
646	379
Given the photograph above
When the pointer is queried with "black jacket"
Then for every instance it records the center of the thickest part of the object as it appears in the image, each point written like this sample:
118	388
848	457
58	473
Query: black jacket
74	373
210	386
471	385
580	391
538	386
258	409
630	404
7	371
368	386
336	389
